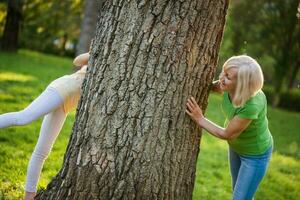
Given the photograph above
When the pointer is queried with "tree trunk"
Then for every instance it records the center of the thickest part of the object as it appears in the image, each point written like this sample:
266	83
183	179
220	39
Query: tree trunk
88	25
64	40
293	75
12	24
132	138
280	78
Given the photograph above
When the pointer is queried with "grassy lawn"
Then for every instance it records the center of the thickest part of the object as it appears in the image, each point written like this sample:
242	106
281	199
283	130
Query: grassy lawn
24	76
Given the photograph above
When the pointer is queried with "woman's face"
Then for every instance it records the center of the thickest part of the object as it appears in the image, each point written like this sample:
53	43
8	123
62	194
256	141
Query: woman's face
228	79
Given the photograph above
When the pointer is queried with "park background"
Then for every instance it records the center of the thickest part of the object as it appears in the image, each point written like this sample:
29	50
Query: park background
49	35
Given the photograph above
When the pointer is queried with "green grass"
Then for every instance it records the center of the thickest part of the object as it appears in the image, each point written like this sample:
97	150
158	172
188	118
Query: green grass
23	76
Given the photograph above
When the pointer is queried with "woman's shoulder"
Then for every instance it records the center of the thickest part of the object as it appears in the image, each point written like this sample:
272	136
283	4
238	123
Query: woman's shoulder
260	96
82	70
259	99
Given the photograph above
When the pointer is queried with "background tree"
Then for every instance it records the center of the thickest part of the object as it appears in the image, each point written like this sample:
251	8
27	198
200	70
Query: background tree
9	40
88	25
131	138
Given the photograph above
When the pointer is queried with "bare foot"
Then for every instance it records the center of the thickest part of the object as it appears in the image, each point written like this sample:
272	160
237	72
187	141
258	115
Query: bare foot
29	195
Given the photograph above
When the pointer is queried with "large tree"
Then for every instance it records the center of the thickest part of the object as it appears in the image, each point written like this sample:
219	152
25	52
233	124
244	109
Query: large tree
9	40
131	138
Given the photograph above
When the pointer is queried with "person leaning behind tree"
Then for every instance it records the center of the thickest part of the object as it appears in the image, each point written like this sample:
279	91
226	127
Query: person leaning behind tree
246	127
54	103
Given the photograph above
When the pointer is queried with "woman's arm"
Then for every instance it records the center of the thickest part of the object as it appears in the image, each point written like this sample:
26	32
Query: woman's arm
235	127
81	59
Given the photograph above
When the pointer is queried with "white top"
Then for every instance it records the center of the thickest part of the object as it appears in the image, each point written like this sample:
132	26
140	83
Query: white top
69	88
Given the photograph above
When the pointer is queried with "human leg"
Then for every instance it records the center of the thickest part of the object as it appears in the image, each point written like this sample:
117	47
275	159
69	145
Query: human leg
50	129
251	173
29	195
43	104
234	163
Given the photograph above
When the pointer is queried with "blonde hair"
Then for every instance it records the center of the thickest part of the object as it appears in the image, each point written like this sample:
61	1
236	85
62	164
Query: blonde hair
250	78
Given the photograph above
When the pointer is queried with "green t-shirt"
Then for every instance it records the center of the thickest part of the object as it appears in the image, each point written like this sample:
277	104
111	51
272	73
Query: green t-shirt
256	138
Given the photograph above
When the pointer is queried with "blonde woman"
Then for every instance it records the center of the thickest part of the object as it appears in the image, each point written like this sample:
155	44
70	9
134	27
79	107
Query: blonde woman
246	126
56	101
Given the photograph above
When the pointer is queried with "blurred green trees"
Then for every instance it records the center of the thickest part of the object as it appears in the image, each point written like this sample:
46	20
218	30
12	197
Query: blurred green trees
268	30
50	26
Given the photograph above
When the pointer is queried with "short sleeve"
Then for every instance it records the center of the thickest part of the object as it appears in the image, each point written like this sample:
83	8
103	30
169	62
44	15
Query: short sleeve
83	69
249	111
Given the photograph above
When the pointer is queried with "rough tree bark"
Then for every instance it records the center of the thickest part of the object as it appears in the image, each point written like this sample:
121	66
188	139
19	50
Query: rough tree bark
132	138
88	25
9	40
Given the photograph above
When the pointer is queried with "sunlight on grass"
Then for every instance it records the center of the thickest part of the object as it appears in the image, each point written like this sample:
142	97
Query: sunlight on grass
10	76
283	175
11	190
280	162
293	147
5	97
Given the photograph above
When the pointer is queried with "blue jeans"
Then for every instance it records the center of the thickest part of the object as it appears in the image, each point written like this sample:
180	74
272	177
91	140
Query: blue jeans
247	172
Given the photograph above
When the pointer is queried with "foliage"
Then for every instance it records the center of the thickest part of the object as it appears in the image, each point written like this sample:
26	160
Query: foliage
268	30
51	22
51	26
289	99
3	8
20	85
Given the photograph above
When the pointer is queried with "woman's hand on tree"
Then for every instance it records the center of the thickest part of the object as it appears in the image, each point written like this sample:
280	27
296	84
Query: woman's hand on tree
193	110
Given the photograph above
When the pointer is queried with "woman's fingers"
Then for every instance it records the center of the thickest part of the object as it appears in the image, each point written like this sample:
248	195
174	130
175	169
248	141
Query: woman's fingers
187	111
190	114
190	107
194	101
191	104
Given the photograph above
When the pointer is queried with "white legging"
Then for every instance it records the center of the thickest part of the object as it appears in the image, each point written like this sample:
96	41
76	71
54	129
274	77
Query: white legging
50	105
